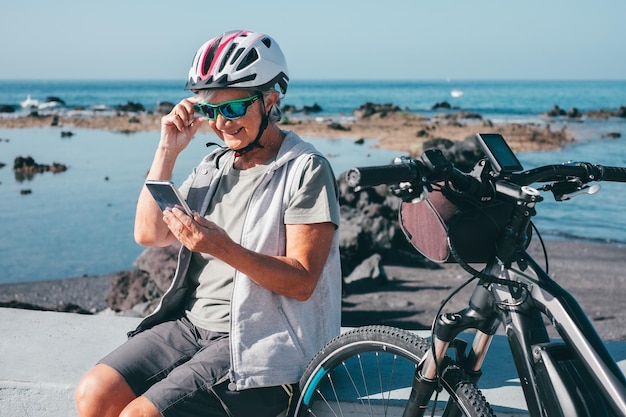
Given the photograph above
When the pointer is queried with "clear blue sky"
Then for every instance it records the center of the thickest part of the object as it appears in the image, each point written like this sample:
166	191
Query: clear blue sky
322	39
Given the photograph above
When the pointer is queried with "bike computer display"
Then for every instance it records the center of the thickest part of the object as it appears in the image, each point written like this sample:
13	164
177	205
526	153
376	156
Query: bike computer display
500	155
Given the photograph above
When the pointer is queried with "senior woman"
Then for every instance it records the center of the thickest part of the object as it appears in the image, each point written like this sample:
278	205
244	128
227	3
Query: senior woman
257	291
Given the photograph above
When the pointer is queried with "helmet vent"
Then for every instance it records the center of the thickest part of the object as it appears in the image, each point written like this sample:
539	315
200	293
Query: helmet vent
226	56
236	56
267	42
208	57
248	59
222	81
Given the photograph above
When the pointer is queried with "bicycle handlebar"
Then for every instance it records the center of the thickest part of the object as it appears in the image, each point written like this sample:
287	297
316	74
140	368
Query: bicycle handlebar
585	171
422	172
382	174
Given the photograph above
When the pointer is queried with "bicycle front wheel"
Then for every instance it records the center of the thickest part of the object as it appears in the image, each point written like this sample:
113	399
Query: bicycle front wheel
369	371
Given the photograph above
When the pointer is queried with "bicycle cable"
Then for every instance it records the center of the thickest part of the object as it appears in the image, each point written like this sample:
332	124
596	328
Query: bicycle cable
543	248
432	339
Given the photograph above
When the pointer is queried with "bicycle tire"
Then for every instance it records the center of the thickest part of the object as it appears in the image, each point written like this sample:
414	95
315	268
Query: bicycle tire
340	380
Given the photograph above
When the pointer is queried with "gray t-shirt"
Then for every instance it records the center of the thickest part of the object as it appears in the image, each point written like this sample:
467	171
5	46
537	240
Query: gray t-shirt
208	306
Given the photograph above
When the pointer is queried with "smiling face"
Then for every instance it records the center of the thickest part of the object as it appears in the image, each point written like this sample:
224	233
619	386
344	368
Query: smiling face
240	132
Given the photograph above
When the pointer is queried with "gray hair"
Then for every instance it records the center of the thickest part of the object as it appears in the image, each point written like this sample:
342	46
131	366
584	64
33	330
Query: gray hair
275	113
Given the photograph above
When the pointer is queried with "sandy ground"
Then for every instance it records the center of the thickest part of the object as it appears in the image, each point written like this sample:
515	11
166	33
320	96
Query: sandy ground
592	272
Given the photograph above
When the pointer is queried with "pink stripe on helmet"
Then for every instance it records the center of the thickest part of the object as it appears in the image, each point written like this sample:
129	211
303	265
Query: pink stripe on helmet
224	43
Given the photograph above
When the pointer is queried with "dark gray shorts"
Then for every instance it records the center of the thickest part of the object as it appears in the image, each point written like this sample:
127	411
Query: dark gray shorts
183	371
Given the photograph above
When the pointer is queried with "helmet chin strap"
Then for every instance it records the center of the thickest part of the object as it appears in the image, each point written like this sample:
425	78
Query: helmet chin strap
255	143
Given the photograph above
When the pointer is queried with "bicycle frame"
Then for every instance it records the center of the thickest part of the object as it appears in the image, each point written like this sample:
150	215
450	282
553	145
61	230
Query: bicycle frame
575	376
539	360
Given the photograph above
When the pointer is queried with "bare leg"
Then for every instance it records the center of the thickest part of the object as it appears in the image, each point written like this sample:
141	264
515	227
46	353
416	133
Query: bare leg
140	407
102	392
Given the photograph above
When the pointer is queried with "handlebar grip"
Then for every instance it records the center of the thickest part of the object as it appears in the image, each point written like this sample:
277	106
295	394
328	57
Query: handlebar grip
616	174
383	174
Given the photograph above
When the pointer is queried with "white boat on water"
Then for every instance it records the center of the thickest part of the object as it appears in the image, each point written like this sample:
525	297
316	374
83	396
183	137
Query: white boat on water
48	105
34	104
456	93
29	103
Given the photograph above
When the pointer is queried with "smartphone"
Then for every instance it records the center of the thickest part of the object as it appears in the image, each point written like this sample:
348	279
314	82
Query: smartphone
500	155
167	195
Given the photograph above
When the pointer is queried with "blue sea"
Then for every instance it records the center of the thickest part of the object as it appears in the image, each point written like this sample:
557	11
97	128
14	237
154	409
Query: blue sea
80	222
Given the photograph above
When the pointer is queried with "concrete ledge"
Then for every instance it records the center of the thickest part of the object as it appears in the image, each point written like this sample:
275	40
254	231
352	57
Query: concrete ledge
43	355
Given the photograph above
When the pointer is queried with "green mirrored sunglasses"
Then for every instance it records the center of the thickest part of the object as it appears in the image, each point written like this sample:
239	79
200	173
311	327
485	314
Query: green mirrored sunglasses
231	110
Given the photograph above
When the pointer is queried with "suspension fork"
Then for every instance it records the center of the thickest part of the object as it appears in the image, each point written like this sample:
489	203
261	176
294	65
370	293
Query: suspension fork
481	315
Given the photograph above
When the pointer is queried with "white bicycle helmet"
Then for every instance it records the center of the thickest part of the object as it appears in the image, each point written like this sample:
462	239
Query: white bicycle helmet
239	59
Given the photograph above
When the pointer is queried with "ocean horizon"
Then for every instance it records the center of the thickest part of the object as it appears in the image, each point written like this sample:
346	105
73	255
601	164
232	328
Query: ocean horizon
499	97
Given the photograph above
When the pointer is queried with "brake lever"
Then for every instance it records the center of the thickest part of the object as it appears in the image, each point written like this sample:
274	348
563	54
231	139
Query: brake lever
567	190
408	193
587	189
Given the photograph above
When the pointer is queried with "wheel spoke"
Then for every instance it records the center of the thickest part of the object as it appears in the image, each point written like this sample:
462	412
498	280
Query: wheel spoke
370	372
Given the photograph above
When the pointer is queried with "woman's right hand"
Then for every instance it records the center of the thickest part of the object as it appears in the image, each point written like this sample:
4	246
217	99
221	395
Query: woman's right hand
180	125
177	129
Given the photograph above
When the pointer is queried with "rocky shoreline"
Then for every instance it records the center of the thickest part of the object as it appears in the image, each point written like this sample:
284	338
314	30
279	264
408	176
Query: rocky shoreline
393	129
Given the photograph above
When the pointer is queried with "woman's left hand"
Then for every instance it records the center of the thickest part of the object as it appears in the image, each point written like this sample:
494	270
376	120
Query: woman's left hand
196	233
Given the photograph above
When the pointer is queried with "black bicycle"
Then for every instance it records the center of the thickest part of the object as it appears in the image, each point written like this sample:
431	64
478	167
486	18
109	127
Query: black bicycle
482	217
